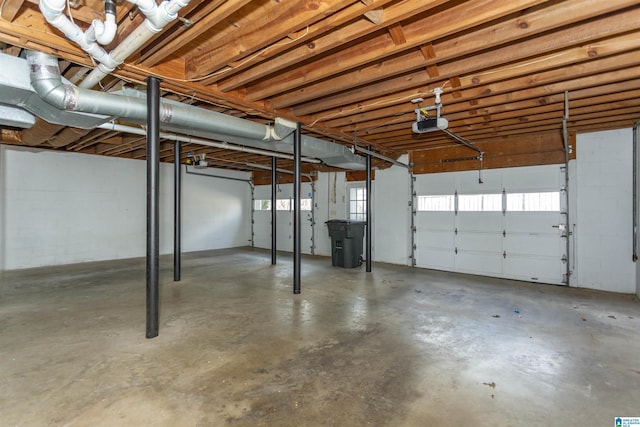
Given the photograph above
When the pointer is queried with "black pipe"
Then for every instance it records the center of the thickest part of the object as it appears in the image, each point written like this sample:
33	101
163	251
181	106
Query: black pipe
216	176
177	205
274	191
153	238
110	7
369	213
297	146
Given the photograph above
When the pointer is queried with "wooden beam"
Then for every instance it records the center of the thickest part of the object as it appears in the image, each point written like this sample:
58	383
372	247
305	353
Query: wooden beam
510	77
547	44
396	34
204	18
430	55
438	25
9	9
499	153
259	28
320	43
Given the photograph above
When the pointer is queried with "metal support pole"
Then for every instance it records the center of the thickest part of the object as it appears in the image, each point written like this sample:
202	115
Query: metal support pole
274	191
313	217
253	214
153	238
177	210
369	213
297	147
634	255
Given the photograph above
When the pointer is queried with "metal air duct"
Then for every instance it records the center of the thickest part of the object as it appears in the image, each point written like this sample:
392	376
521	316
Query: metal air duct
57	101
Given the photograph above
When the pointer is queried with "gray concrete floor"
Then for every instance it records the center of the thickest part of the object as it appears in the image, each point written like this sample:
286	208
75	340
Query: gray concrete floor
397	347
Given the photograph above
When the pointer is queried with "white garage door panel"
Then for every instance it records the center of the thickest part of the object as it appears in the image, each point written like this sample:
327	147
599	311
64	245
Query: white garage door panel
284	231
262	229
436	220
437	239
532	178
479	263
479	221
439	259
537	269
532	244
531	221
483	242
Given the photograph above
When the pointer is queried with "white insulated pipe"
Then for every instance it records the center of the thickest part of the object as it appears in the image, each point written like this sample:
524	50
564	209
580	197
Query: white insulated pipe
157	17
199	141
53	13
106	30
103	32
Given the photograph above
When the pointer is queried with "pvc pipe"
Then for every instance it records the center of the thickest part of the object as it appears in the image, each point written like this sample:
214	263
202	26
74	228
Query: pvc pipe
157	17
199	141
52	10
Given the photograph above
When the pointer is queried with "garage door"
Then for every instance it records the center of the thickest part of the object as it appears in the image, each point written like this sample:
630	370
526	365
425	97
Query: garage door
510	226
284	218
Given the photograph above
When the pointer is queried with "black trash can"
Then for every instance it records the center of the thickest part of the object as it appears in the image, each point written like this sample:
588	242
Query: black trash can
346	242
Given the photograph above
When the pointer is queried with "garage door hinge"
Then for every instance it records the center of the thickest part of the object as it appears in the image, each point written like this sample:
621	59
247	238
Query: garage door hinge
456	251
504	233
564	259
504	254
456	231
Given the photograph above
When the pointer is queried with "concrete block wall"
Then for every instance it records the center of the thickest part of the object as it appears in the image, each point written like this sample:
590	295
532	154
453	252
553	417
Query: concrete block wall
61	208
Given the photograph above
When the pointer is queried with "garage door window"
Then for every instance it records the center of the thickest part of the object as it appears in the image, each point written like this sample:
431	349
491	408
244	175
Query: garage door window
480	202
534	202
442	203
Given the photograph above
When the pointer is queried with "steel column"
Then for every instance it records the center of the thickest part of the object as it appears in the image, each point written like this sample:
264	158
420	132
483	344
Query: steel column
153	169
177	210
274	192
634	255
369	214
297	231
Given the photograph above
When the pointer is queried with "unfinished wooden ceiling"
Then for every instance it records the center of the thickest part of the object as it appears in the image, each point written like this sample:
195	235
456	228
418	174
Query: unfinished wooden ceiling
348	70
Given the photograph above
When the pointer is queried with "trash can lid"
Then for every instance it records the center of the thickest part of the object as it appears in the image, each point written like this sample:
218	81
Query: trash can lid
344	221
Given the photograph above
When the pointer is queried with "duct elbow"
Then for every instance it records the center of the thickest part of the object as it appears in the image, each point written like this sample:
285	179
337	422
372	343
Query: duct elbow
47	82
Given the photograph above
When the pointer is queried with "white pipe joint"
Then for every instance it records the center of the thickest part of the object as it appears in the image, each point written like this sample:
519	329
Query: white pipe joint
158	16
52	8
105	31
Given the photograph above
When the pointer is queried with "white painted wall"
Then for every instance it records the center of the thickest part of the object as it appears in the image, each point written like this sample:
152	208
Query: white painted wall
604	211
60	208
